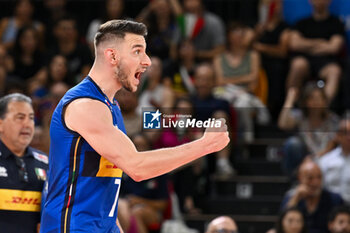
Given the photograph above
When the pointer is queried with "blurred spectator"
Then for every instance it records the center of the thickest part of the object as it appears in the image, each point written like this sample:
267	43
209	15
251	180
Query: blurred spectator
179	74
28	59
317	41
14	85
237	69
291	220
146	200
314	202
113	9
41	139
315	124
78	55
58	71
335	164
6	61
128	102
207	106
163	32
6	65
22	16
155	93
222	224
51	12
47	104
238	65
23	168
339	220
189	181
205	29
272	38
3	76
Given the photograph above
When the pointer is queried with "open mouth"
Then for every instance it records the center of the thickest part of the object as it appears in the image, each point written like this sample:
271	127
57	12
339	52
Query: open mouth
138	75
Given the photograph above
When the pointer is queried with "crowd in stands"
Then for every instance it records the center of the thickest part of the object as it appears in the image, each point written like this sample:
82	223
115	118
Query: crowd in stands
292	78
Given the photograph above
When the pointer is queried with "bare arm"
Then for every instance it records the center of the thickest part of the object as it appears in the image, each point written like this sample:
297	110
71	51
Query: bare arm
176	7
250	79
218	70
285	119
279	50
156	204
210	54
93	121
331	47
120	228
301	191
299	43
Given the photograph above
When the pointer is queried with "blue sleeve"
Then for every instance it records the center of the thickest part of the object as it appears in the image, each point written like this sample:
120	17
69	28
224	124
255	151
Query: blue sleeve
337	199
284	202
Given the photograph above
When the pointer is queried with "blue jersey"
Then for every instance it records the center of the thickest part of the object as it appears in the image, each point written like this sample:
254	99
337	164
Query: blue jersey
83	187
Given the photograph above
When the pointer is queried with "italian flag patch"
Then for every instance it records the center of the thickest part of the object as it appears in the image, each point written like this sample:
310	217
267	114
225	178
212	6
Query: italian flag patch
40	173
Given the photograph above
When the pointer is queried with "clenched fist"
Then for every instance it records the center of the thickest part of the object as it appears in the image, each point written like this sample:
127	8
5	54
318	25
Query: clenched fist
216	138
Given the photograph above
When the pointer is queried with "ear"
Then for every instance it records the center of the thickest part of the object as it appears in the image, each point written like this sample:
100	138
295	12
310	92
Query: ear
1	125
111	56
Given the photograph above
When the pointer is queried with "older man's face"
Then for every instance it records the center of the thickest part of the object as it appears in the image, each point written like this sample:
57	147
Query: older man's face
17	127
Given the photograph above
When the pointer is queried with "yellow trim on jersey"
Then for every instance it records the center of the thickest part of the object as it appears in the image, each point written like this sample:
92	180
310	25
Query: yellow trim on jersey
19	200
108	169
71	185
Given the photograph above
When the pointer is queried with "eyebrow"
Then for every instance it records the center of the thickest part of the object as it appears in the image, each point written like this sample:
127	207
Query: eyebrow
23	114
137	46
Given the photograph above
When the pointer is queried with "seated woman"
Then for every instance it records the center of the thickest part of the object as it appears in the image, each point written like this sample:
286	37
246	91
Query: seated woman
237	70
315	123
22	16
290	220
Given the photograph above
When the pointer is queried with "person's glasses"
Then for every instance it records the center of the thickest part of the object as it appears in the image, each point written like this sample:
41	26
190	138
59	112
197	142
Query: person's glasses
22	170
224	231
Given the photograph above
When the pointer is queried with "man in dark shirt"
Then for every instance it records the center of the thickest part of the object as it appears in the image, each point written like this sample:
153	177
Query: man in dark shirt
22	168
317	41
206	106
309	196
78	54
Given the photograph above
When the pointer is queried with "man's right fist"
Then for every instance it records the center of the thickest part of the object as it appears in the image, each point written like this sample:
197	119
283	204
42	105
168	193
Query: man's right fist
216	138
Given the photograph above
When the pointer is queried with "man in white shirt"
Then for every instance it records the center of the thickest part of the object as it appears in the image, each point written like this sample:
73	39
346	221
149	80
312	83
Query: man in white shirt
336	163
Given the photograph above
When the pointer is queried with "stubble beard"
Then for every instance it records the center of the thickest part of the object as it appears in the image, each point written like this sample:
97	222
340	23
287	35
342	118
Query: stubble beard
122	77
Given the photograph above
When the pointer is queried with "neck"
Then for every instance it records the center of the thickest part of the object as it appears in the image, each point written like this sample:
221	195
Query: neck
312	203
319	15
315	115
237	51
188	63
128	114
346	150
273	21
23	20
102	76
66	46
18	151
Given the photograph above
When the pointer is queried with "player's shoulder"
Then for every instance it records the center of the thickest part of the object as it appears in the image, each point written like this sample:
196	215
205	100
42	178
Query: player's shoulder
87	104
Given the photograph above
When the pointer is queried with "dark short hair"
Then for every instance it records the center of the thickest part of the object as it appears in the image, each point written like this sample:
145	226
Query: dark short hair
15	97
117	29
282	215
342	209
